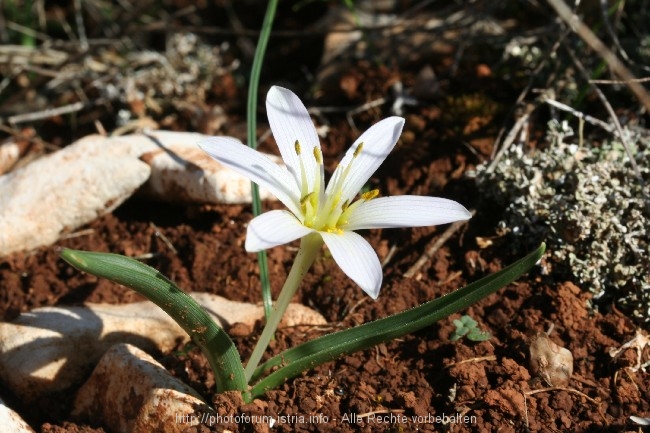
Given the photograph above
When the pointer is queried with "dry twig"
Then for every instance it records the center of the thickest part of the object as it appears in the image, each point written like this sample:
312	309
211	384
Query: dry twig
618	82
580	115
47	113
435	246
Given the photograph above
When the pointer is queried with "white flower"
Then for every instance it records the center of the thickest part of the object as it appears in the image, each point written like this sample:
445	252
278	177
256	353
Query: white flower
330	211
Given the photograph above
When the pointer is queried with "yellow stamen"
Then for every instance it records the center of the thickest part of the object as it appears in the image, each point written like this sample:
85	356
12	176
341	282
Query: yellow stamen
306	205
349	208
318	155
303	175
335	200
357	151
305	198
369	195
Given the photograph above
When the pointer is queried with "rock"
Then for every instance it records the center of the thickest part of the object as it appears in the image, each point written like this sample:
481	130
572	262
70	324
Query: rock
550	362
184	173
61	192
11	421
129	392
227	312
51	349
9	153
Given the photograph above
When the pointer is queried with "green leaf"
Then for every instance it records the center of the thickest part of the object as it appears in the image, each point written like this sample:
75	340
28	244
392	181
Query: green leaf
458	334
478	335
468	322
292	362
251	121
213	341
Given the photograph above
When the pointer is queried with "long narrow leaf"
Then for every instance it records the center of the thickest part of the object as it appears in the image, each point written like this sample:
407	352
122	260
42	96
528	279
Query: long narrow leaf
251	121
308	355
215	343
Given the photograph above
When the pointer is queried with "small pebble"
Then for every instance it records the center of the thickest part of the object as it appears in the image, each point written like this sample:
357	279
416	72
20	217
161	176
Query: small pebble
549	362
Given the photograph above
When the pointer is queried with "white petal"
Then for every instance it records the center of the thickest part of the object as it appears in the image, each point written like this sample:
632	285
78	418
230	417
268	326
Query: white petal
405	211
378	141
357	259
256	166
289	122
273	228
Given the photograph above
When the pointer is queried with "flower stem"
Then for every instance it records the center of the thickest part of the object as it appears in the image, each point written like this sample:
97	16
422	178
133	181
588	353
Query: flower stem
309	247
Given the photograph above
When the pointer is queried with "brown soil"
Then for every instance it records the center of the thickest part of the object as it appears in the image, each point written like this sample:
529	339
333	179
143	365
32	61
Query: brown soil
418	375
405	382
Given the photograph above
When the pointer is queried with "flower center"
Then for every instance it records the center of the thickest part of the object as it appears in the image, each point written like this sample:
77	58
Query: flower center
324	211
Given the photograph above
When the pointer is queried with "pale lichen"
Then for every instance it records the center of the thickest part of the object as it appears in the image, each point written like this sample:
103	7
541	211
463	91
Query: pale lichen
587	204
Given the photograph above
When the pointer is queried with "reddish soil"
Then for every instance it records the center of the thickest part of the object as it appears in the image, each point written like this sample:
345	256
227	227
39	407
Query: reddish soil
405	382
419	375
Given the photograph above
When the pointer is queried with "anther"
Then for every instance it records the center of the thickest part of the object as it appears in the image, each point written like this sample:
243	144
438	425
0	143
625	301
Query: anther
369	195
297	146
318	156
357	151
305	198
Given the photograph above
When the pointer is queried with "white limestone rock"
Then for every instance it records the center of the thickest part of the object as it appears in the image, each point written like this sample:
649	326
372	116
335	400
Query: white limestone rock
130	392
182	172
11	421
61	192
51	349
9	154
